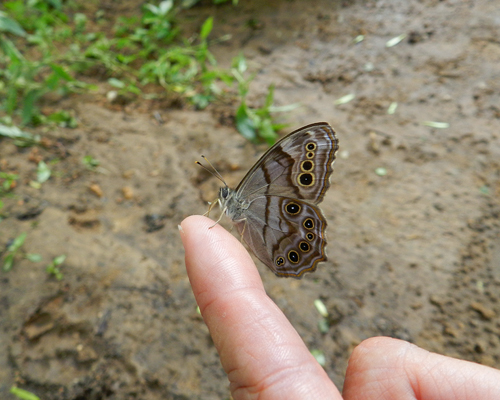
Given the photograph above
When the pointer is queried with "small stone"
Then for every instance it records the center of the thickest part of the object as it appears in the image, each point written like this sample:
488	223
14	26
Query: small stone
381	171
374	144
37	329
112	95
128	174
86	354
35	156
128	193
96	189
451	331
344	154
438	206
485	312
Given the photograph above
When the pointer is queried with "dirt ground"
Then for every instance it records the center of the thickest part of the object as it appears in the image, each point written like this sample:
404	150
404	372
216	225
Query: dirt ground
413	254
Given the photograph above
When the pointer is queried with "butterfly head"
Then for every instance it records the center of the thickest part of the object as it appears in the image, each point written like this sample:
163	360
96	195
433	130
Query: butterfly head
225	196
232	205
224	193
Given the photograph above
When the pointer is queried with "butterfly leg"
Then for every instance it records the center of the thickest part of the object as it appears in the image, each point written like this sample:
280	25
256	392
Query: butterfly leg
211	204
243	230
216	222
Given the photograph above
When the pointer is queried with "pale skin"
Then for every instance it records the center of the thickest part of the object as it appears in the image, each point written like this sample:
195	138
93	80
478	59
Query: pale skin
265	358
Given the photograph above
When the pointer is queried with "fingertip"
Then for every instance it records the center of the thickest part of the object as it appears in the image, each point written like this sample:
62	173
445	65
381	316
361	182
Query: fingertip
382	365
216	261
193	223
378	345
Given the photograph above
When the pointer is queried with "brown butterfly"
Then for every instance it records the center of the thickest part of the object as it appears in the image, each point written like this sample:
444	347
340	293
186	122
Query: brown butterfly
275	206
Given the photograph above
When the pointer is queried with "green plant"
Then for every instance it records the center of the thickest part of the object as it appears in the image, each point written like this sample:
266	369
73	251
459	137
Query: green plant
90	162
191	3
23	82
13	249
53	267
7	181
21	138
63	119
143	57
255	123
8	25
142	52
23	394
188	70
43	172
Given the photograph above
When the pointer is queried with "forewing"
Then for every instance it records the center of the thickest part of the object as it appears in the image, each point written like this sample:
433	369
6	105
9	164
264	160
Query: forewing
290	169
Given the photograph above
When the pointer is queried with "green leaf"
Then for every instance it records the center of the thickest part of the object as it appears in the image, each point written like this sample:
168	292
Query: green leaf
116	83
80	21
188	3
23	394
57	4
267	132
61	72
29	106
11	50
436	124
381	171
240	63
35	185
63	118
206	28
320	306
323	325
20	137
319	356
345	99
244	124
90	162
53	270
59	259
43	172
10	26
151	7
18	242
13	132
165	7
34	257
392	108
11	100
394	41
270	96
8	261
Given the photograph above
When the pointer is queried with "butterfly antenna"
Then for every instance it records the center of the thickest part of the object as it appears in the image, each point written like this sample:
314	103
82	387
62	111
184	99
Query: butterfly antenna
212	171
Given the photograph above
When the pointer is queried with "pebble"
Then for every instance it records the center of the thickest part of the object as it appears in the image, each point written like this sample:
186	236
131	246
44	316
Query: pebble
96	189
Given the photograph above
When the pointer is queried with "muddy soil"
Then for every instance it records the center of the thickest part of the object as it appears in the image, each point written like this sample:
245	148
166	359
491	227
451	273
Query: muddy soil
413	253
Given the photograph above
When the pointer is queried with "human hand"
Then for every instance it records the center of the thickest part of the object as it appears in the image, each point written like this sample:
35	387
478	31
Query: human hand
265	358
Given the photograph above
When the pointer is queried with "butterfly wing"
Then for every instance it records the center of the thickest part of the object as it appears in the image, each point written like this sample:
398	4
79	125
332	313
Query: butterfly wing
274	206
288	235
298	166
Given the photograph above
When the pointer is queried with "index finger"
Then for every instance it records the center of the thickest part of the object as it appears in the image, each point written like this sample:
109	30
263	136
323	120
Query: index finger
259	349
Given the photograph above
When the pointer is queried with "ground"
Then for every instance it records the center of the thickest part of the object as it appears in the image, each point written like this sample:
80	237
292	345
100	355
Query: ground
414	250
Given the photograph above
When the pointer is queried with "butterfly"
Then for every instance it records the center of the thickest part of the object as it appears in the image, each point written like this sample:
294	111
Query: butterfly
275	206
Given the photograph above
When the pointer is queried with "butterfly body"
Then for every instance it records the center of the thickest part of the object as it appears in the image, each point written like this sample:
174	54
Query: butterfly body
275	205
